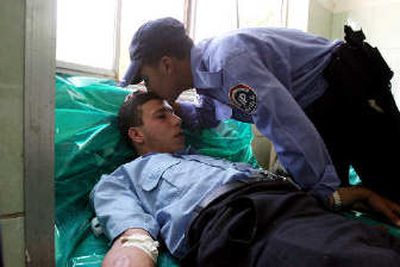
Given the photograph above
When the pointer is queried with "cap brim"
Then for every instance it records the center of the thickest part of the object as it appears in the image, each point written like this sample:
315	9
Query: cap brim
131	75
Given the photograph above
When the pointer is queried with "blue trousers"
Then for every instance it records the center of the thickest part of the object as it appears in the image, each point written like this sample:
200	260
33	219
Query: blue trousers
258	226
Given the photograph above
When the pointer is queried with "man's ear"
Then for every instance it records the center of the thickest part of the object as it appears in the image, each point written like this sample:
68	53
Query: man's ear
136	135
167	64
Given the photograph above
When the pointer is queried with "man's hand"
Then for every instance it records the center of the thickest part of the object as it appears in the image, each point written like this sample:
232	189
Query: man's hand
119	256
175	105
132	94
390	209
352	196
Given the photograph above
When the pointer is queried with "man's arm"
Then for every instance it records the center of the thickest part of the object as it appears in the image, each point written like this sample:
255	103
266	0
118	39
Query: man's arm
124	220
128	256
199	116
355	195
280	118
118	208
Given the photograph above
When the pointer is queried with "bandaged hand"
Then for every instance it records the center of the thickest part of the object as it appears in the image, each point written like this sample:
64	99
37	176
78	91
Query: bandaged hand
134	248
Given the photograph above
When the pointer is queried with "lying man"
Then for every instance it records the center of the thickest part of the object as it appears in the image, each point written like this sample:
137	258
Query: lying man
237	215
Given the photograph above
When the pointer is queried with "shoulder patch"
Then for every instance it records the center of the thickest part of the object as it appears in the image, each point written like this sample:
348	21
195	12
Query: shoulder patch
243	97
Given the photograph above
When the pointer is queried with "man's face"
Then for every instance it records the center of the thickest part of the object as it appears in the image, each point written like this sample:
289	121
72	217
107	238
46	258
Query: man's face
163	79
161	129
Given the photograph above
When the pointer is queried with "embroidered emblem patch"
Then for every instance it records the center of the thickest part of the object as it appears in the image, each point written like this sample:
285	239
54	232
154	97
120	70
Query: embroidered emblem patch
244	98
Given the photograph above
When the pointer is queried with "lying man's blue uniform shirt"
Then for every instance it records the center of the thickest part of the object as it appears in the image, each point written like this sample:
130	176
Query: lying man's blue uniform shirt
159	192
267	76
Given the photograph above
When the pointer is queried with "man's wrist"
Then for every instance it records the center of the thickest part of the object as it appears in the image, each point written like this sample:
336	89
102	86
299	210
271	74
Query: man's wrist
143	242
337	203
125	255
347	196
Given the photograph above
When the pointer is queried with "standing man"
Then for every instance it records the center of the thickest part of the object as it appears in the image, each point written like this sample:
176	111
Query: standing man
275	79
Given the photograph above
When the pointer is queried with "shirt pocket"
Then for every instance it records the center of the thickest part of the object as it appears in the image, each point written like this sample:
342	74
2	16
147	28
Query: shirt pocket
162	175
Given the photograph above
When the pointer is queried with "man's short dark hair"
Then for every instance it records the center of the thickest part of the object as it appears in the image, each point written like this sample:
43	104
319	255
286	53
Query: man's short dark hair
130	113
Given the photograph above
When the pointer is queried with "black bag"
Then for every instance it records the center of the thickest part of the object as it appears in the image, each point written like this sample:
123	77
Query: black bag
358	71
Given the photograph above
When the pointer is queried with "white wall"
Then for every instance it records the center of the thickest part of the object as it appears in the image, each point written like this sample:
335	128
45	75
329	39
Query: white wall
320	17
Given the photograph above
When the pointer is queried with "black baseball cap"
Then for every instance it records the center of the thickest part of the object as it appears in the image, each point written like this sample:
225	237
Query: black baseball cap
151	38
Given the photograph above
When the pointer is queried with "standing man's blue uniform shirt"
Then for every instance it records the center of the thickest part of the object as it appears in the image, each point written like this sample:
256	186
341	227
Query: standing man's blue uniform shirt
267	76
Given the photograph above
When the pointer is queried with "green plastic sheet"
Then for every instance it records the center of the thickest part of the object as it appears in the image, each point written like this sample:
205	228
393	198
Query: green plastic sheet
87	145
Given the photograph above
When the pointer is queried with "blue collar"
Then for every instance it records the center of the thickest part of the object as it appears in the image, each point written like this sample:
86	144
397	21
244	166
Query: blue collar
202	78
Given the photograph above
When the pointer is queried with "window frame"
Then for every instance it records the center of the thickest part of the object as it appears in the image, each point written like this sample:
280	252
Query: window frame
189	17
75	68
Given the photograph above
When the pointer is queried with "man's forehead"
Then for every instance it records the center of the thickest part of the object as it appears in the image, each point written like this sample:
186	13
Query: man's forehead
155	105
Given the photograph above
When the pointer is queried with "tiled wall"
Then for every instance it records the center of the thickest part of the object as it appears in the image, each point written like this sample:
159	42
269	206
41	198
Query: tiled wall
12	29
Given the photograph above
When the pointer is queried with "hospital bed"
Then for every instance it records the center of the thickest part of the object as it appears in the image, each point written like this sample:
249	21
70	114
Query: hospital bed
87	145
